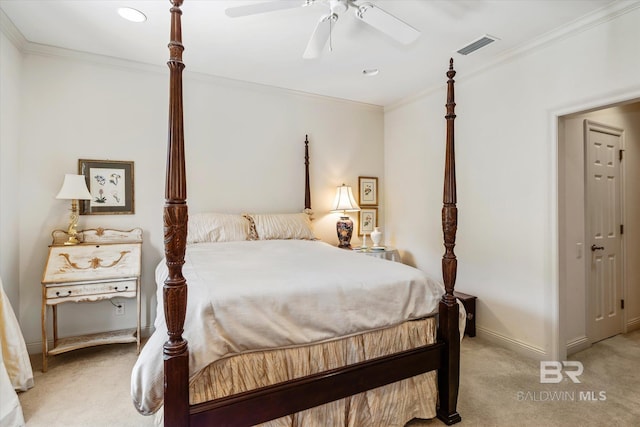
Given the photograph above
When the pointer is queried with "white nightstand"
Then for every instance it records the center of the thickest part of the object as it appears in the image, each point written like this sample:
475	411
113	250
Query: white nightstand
387	253
105	265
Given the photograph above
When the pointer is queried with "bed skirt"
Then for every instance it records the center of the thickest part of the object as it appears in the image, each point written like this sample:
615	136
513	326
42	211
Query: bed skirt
391	405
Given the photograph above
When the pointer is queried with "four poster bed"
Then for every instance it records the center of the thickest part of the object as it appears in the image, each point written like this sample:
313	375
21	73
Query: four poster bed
316	358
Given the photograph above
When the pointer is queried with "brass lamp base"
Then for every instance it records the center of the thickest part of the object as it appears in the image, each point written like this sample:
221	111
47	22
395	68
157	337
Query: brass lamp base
73	240
73	223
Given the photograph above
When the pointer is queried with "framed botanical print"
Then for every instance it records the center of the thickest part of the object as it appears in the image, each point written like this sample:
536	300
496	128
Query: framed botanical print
110	183
368	220
367	191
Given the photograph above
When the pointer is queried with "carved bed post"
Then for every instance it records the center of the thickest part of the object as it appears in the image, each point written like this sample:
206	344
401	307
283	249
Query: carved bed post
175	352
307	189
449	373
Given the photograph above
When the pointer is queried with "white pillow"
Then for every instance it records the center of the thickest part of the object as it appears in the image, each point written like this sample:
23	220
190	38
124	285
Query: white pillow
216	227
283	226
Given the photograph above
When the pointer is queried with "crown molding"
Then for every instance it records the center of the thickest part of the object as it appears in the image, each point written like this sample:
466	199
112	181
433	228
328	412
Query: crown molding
109	61
246	85
591	20
30	48
11	31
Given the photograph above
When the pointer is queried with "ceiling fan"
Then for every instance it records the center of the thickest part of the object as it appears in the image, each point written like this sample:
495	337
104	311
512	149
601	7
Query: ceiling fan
366	12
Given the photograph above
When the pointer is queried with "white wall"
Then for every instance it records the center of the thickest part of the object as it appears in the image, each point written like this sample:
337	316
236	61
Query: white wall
245	152
572	225
10	90
506	144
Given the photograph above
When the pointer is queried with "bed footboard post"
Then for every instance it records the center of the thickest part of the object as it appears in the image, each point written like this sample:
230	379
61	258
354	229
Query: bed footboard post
175	350
449	373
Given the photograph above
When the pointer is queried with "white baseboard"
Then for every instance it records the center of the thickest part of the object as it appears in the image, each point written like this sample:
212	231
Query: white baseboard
578	344
522	348
633	324
36	347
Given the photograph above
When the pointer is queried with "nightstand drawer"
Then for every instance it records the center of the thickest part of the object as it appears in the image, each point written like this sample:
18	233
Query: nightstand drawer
87	262
125	287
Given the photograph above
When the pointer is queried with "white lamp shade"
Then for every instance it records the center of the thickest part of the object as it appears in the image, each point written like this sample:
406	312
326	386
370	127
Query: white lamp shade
344	201
74	187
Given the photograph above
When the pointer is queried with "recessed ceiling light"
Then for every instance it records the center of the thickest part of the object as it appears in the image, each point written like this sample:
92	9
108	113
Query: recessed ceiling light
131	14
370	72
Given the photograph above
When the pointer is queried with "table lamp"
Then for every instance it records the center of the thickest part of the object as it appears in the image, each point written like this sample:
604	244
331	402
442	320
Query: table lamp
344	202
74	188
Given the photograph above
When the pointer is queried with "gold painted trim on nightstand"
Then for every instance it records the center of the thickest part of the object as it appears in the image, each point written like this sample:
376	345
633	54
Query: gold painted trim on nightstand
93	262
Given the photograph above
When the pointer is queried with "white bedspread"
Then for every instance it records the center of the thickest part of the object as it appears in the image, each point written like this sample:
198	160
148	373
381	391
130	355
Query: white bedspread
255	295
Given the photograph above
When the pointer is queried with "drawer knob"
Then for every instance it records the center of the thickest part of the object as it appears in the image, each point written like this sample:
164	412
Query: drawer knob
126	288
67	295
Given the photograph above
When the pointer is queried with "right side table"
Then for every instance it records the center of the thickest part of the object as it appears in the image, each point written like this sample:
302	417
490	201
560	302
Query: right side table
385	252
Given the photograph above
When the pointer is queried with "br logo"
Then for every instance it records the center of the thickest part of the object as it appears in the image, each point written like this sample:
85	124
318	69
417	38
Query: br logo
551	371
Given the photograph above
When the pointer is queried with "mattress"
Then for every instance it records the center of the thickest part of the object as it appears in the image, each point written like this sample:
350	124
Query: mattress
251	296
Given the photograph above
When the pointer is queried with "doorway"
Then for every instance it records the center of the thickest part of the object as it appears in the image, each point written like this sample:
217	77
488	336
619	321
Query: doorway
579	306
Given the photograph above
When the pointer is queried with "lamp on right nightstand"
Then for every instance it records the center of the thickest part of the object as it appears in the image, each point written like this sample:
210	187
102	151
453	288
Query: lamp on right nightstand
344	202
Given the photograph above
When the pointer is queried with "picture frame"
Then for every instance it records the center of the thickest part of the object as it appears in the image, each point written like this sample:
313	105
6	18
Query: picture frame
368	220
367	191
111	185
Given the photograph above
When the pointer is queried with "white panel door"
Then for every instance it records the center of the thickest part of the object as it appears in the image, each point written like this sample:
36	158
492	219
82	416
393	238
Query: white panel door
604	217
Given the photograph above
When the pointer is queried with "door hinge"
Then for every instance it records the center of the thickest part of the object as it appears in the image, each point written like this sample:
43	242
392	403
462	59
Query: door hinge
621	228
622	304
620	155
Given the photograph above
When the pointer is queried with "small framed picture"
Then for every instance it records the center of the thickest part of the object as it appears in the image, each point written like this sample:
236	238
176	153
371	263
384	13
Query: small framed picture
368	220
110	183
367	191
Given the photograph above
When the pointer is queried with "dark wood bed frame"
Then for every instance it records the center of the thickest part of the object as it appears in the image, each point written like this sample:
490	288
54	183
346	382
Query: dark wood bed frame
267	403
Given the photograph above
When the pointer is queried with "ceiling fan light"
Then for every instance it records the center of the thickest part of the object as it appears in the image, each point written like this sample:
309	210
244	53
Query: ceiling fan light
131	14
338	6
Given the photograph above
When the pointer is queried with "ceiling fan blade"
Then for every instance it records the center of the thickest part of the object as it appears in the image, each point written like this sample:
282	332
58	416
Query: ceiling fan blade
319	37
264	7
387	23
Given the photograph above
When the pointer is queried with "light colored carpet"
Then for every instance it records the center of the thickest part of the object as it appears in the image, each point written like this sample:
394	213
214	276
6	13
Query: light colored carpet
90	387
500	388
84	388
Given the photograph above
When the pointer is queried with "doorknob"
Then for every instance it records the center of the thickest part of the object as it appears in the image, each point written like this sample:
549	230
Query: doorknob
596	248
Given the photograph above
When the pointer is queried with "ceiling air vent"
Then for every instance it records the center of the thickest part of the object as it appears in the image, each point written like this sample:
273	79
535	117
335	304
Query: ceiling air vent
477	44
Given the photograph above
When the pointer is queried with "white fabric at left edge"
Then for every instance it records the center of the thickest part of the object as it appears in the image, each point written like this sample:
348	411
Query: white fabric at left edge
15	366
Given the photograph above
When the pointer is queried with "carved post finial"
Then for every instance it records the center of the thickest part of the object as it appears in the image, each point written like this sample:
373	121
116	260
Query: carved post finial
451	73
